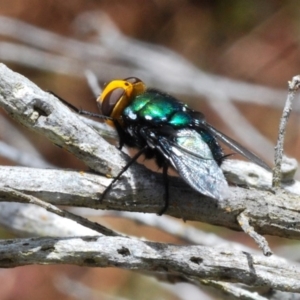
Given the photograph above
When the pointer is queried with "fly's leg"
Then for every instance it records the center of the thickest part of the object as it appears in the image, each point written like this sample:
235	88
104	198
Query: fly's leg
133	159
166	183
80	111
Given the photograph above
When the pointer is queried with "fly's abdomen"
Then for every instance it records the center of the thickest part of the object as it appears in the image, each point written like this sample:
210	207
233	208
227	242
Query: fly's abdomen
214	146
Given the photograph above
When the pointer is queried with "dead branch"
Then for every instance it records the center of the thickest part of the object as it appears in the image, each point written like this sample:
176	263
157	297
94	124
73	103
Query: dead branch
133	254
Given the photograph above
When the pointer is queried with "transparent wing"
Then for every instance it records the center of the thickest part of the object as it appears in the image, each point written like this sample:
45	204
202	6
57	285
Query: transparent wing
234	145
193	160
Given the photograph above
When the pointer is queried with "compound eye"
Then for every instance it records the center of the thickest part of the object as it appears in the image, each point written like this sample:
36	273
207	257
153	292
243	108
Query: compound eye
133	80
111	99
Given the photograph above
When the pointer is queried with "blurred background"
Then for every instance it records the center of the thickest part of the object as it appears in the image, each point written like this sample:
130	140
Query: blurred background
229	59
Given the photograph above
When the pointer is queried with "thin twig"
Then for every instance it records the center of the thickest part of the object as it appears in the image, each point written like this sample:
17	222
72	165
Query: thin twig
7	193
29	220
262	243
234	291
293	87
93	82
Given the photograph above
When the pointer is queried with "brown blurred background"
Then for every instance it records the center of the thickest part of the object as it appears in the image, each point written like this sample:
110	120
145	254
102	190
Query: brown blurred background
252	41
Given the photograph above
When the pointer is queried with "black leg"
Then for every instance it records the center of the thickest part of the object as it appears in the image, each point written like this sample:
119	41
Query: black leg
80	111
133	159
166	183
64	101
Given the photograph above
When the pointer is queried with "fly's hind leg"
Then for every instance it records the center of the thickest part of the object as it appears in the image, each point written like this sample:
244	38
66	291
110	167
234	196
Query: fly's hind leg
166	184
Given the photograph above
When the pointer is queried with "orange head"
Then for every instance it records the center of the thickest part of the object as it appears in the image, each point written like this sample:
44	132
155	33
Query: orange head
117	95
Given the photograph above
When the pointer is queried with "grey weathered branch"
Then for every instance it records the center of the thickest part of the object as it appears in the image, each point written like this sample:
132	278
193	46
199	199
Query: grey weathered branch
274	214
195	261
139	190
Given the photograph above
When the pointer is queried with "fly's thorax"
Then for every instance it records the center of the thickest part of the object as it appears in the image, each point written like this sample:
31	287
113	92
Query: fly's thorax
155	109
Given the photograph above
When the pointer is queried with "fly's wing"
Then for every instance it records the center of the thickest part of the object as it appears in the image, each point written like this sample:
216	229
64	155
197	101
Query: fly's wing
193	160
237	147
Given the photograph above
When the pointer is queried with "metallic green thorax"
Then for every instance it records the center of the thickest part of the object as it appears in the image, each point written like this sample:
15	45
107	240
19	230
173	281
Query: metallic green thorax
157	109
